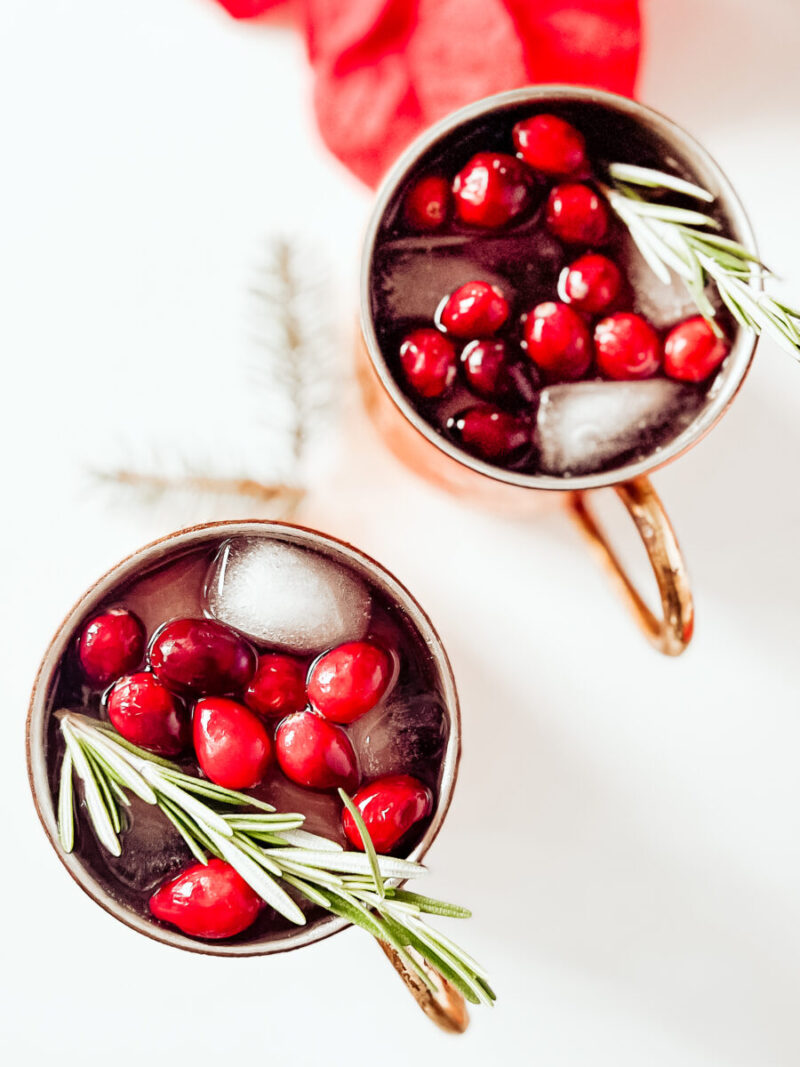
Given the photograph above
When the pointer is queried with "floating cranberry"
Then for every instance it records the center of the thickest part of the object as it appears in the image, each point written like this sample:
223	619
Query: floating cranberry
627	347
111	644
350	680
316	753
591	283
209	900
492	189
201	656
147	714
557	340
231	743
491	433
427	203
278	687
577	214
474	309
550	145
429	362
693	350
389	807
488	369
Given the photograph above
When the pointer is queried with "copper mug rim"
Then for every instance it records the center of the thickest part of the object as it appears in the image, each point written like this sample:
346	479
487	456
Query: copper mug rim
127	568
727	383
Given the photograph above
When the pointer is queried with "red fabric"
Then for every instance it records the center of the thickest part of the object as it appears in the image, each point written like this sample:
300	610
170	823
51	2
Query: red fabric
248	9
387	69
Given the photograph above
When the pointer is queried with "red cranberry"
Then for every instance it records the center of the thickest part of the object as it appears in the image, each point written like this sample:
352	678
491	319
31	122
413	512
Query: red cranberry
350	680
149	715
231	743
475	308
577	214
491	433
626	347
487	366
201	656
429	362
557	340
110	644
692	350
209	900
316	753
389	807
550	145
591	283
492	189
278	687
427	203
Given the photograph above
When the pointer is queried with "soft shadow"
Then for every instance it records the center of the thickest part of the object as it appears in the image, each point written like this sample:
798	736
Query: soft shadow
696	947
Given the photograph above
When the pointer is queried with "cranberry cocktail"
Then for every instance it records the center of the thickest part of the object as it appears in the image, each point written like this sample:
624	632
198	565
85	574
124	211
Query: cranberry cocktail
264	666
513	309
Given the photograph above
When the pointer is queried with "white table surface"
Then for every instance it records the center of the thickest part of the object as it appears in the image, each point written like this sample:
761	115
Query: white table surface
626	827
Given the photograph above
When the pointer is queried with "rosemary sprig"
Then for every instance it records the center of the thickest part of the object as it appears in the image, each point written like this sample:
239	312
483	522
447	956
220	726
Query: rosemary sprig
267	848
686	242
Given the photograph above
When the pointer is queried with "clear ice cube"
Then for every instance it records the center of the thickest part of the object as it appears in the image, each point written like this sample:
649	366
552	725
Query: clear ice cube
585	426
285	596
151	848
661	304
412	285
406	736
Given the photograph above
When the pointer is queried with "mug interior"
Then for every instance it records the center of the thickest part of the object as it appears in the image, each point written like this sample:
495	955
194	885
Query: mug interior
41	735
614	127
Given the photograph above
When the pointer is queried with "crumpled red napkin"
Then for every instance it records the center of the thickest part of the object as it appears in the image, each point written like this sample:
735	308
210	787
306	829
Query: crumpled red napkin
386	69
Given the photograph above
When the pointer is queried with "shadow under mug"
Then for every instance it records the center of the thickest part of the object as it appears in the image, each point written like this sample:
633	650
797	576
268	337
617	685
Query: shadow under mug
619	122
446	1007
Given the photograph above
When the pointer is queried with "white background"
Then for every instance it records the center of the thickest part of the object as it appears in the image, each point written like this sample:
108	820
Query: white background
626	827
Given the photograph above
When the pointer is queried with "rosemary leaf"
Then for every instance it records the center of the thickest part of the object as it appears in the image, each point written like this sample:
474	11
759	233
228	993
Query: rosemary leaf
201	813
258	855
257	878
366	841
654	179
66	809
312	874
433	907
452	969
101	777
98	814
307	890
218	793
304	839
351	862
190	841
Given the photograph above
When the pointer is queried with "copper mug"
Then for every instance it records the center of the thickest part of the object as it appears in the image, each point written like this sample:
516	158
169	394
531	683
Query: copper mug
438	460
446	1006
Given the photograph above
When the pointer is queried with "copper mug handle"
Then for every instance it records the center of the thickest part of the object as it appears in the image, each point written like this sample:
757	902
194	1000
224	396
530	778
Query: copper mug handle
672	632
446	1006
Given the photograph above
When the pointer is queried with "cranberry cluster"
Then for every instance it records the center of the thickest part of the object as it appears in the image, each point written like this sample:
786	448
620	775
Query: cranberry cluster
201	685
588	331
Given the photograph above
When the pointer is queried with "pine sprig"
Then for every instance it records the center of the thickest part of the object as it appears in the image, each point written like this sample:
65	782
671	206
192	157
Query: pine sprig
686	242
294	381
269	849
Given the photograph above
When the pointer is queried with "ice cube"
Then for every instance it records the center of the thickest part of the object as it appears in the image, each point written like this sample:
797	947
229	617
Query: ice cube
151	848
285	596
406	736
411	286
171	592
588	425
662	305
